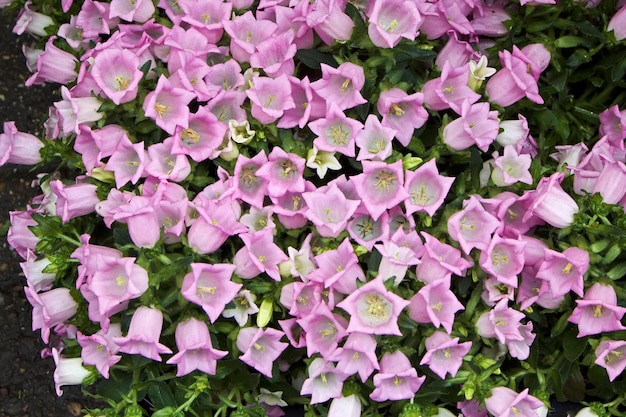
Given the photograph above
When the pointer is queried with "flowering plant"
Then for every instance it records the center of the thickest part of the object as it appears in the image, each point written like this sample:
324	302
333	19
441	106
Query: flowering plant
362	208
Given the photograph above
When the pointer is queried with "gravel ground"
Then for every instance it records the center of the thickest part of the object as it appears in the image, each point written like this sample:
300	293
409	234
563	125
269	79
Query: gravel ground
26	383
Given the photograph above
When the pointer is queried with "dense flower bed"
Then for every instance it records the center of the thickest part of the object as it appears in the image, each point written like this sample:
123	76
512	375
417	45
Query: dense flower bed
364	208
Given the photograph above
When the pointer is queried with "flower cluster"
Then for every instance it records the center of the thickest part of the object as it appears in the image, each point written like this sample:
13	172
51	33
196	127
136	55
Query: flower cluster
362	207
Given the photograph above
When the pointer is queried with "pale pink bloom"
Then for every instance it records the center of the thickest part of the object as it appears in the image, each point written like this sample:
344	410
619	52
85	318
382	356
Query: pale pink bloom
435	303
210	286
501	322
613	123
116	71
329	210
50	308
243	307
19	236
477	125
270	97
54	65
207	17
374	141
357	355
329	20
19	148
245	33
440	261
195	350
93	19
68	371
283	172
397	379
33	270
140	216
74	200
450	90
144	334
504	401
564	271
248	186
323	330
216	221
551	204
308	105
444	354
491	21
164	164
366	231
455	51
338	269
275	55
260	348
390	21
380	186
341	85
395	260
132	11
324	381
473	226
617	24
75	111
168	105
598	311
32	22
512	132
335	132
426	188
349	406
511	168
100	350
504	259
403	112
259	254
611	355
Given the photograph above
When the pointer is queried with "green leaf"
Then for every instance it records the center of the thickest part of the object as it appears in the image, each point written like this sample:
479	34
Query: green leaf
574	386
570	41
617	272
573	346
560	325
161	395
312	58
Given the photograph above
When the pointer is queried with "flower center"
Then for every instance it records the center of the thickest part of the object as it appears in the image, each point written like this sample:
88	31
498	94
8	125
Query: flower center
396	110
161	109
122	82
385	180
189	136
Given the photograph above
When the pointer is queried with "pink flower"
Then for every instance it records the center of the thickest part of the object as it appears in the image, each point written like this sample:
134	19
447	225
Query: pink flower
504	401
341	85
210	286
50	308
617	24
396	260
477	125
514	81
426	188
440	261
100	350
275	55
168	105
338	268
127	162
380	186
142	220
260	347
74	200
135	11
613	122
374	141
164	164
329	210
397	379
511	168
390	21
501	322
357	355
324	381
564	271
18	147
335	132
373	309
444	354
611	355
473	226
436	304
551	204
195	350
116	72
54	65
216	222
248	186
403	112
283	172
598	311
245	33
270	98
207	17
76	111
323	330
504	259
143	334
243	307
450	90
260	254
366	231
330	22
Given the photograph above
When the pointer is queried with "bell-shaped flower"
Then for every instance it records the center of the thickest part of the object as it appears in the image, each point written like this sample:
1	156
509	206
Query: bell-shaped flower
397	379
329	210
207	17
217	221
473	226
380	186
511	167
617	24
245	33
349	406
366	231
144	334
504	259
505	402
551	203
390	21
116	72
136	11
520	349
436	304
74	200
501	322
457	53
140	216
512	132
611	355
564	271
323	330
514	81
99	349
260	254
403	112
168	106
450	90
335	132
598	311
195	350
248	186
477	125
324	381
338	268
32	22
210	286
18	147
357	355
395	260
283	173
50	308
260	348
270	97
244	306
53	65
76	111
341	85
33	270
115	281
329	20
479	70
613	123
275	55
202	136
322	161
439	261
444	354
308	105
374	141
68	371
127	162
164	164
373	309
426	188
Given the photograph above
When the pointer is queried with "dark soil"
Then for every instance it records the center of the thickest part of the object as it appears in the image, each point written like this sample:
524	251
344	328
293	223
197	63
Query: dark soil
26	383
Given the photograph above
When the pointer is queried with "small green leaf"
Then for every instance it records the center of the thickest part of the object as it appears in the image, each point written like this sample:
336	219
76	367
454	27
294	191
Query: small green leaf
265	313
617	272
570	41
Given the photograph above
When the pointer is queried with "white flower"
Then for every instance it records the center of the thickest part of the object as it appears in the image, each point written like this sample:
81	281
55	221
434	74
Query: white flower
479	72
241	132
322	161
272	398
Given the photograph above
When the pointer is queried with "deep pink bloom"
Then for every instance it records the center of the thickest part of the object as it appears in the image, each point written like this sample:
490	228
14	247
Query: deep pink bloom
426	188
450	90
357	355
611	355
473	226
444	354
598	311
380	186
210	286
341	85
143	334
260	254
390	21
329	210
195	350
19	148
564	271
168	106
397	379
373	309
100	350
505	402
50	308
403	112
436	304
324	381
260	347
